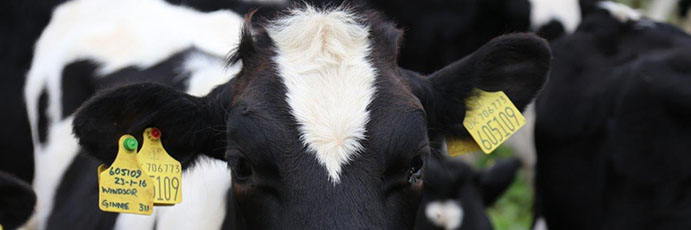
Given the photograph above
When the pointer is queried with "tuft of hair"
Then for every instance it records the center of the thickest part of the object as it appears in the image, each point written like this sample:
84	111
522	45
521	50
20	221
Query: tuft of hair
328	34
322	56
17	201
246	45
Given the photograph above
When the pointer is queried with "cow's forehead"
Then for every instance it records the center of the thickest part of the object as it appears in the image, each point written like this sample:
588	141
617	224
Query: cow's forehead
322	59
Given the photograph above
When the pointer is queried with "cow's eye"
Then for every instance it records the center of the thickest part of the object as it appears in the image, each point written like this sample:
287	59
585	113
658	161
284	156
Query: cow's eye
415	171
242	170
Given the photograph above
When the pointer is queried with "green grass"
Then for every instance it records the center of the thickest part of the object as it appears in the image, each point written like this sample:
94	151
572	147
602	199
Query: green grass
513	211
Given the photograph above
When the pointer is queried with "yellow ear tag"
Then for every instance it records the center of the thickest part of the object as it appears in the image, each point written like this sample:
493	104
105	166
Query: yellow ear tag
124	187
163	169
458	146
491	119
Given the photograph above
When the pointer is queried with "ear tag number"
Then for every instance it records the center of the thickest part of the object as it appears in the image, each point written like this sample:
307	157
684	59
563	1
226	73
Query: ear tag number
164	170
124	187
491	119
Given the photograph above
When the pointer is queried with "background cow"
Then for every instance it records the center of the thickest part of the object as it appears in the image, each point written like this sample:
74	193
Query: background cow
456	195
17	201
611	126
89	45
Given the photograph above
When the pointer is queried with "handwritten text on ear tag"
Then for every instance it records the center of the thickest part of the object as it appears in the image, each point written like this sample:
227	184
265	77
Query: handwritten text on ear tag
124	187
491	119
163	169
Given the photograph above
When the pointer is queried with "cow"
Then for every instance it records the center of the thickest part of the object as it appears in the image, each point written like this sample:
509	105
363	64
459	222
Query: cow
455	195
320	128
612	145
17	201
89	45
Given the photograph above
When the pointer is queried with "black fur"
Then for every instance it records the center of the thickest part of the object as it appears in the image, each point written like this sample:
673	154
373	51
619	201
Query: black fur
516	64
16	202
76	200
610	131
21	22
449	179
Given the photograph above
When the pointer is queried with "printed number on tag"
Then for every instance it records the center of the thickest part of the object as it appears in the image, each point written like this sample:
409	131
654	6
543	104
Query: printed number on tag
124	187
491	119
164	170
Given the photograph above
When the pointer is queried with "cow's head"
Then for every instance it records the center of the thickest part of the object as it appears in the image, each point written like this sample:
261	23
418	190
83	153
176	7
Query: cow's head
456	195
320	129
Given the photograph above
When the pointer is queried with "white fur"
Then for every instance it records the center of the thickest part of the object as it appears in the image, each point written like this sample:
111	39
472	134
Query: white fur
203	206
204	189
59	151
540	224
660	10
118	34
445	214
620	11
207	70
568	12
322	59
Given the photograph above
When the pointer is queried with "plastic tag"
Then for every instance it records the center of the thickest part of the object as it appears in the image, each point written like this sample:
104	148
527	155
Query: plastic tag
124	187
164	170
491	119
457	146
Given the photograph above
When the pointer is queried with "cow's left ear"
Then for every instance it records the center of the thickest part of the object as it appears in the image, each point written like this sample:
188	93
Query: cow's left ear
189	125
494	181
17	201
516	64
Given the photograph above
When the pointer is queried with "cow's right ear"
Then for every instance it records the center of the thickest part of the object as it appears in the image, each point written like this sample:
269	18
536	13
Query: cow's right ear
189	125
516	64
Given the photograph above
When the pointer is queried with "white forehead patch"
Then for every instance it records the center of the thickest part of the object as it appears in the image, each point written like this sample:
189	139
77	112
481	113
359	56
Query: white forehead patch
322	59
445	214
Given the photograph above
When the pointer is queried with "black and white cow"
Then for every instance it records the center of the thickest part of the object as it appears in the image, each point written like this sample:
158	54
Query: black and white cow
455	195
93	44
612	126
17	201
320	128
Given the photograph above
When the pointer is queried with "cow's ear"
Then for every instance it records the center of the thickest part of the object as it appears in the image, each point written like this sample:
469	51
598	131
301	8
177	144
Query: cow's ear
17	201
494	181
189	125
516	64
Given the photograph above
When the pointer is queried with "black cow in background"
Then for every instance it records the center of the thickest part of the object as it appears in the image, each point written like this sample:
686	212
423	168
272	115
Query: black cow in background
456	195
16	202
612	126
21	22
